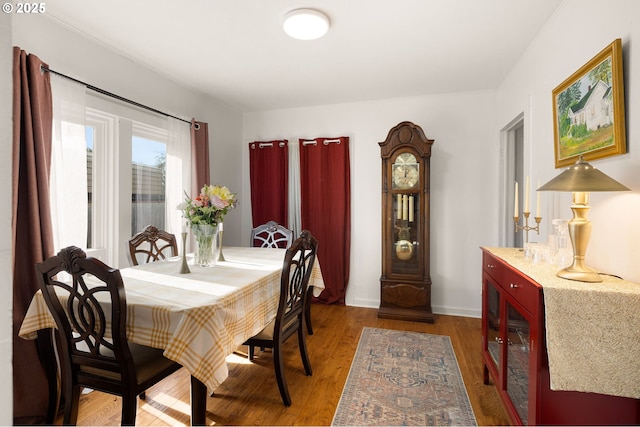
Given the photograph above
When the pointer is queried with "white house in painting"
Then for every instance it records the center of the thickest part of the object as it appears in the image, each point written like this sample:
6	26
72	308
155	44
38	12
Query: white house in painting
595	109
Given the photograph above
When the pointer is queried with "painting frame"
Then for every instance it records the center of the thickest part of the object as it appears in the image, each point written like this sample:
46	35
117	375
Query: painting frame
588	110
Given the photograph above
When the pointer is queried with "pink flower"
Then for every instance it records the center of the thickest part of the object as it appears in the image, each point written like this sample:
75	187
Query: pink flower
218	202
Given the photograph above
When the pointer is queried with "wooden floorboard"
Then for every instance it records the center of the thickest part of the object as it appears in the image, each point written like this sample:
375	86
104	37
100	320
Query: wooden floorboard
250	395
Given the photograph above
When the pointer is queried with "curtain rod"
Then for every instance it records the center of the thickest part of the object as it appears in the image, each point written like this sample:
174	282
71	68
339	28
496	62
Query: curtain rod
113	95
269	144
325	142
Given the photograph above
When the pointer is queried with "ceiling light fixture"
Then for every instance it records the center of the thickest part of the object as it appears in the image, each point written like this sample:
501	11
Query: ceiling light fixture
305	24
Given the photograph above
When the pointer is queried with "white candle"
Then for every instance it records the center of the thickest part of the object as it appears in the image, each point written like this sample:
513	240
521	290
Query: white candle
515	204
538	200
399	207
404	207
526	195
410	208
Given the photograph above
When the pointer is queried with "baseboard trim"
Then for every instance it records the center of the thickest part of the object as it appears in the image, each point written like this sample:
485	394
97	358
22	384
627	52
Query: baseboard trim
450	311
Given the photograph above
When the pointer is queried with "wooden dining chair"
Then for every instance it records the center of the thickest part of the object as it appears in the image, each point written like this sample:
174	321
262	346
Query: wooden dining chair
152	244
294	281
271	235
90	312
274	235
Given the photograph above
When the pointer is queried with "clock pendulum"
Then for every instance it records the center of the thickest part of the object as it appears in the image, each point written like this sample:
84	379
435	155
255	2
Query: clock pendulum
404	247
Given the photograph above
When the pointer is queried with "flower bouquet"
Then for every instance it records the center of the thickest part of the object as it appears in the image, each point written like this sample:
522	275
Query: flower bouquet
205	214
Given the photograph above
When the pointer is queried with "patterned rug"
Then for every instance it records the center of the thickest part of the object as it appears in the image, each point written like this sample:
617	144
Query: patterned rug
401	378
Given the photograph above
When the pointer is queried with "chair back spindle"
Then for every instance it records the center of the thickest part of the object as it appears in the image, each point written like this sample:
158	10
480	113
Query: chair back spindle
271	235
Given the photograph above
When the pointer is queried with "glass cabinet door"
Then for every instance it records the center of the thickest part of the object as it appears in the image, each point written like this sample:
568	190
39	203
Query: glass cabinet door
493	323
517	372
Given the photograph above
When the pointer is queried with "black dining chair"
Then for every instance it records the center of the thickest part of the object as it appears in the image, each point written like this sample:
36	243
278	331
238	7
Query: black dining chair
274	235
152	244
289	320
90	312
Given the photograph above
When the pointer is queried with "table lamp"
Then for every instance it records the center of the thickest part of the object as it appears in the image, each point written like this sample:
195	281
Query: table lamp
581	178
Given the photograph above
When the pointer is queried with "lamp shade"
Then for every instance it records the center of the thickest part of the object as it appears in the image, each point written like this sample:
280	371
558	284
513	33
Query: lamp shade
581	176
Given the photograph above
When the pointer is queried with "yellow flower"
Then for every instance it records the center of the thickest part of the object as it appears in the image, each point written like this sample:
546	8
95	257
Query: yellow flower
222	193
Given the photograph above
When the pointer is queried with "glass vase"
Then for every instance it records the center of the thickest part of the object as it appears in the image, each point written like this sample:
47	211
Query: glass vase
206	241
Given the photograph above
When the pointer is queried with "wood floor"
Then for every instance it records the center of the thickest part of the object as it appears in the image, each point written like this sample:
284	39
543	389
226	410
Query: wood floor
250	395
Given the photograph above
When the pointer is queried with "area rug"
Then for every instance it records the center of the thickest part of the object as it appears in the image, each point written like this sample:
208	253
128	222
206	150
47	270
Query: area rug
400	378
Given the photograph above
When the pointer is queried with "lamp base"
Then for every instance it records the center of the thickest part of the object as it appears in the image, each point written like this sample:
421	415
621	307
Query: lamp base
579	272
579	233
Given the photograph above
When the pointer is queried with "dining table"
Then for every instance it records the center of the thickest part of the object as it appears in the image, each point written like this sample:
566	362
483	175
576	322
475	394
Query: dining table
199	317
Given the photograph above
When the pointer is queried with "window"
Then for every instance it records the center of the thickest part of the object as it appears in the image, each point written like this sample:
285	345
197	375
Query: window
127	189
147	175
148	161
110	162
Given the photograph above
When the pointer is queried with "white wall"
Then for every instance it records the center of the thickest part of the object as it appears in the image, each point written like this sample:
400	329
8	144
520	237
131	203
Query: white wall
463	184
578	31
6	136
225	130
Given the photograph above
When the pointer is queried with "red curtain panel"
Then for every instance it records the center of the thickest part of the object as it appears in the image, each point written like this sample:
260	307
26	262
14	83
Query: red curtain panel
269	174
325	192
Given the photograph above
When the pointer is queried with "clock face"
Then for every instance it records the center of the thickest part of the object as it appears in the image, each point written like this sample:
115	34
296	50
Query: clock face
405	171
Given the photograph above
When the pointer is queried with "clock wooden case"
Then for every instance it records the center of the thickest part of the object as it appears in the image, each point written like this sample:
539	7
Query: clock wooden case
405	282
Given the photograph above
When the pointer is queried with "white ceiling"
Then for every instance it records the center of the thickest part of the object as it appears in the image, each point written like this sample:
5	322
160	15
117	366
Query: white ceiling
236	50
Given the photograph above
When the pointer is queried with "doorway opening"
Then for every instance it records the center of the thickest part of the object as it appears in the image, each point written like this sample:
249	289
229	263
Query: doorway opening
512	171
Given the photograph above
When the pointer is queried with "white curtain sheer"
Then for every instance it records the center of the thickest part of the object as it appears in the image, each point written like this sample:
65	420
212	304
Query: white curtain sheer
68	182
295	222
178	173
69	174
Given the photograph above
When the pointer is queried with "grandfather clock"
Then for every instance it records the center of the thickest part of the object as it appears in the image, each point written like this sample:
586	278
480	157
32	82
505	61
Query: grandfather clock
405	283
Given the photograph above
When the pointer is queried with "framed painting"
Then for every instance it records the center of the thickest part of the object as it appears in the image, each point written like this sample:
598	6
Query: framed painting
588	110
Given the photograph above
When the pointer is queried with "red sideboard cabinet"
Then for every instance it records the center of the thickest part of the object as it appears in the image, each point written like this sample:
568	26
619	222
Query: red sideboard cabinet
515	357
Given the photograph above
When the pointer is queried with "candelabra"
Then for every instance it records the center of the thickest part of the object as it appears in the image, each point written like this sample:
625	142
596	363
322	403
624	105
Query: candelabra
184	269
526	227
219	237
